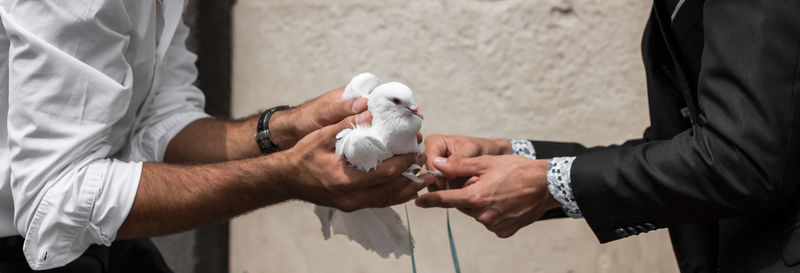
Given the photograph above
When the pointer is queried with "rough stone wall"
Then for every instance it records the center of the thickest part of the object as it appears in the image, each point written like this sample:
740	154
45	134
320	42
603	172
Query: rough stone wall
539	69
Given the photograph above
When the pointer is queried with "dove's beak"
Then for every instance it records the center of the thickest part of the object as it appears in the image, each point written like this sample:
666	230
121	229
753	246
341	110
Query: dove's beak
415	110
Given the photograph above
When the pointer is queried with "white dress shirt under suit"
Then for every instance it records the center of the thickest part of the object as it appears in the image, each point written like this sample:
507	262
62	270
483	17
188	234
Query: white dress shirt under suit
88	91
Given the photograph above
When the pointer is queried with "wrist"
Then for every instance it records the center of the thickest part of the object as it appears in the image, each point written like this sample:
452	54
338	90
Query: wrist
283	131
549	201
280	170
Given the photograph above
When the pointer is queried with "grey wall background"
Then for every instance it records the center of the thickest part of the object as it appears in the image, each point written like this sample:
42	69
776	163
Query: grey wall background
541	69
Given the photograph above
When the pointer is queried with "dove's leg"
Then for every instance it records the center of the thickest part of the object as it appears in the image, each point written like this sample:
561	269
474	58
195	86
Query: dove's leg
413	177
410	173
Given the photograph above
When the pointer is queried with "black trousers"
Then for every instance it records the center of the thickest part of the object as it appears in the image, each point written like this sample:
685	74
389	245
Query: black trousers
139	255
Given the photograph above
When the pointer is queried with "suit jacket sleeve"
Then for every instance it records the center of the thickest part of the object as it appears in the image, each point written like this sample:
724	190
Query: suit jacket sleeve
742	155
550	149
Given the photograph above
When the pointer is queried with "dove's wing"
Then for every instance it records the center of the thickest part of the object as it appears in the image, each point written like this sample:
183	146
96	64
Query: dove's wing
360	86
376	229
361	148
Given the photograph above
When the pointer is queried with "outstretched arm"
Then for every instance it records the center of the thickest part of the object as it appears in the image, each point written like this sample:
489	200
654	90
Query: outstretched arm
737	160
173	198
214	140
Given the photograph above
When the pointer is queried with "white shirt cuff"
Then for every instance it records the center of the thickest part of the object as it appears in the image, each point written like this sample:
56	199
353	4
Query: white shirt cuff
86	207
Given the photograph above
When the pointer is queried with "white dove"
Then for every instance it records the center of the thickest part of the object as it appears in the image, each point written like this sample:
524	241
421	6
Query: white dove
395	122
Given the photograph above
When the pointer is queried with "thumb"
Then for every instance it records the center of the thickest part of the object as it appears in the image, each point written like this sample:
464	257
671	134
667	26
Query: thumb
459	167
350	121
354	106
329	132
337	111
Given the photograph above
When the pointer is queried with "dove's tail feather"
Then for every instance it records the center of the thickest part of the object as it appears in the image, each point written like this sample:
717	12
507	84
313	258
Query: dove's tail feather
360	148
360	86
375	229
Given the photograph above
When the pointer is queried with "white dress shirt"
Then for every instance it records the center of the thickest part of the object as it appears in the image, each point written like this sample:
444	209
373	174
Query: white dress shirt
88	91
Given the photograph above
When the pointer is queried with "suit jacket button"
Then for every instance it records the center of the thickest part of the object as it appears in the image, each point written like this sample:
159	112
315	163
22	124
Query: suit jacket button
640	228
621	233
649	226
632	230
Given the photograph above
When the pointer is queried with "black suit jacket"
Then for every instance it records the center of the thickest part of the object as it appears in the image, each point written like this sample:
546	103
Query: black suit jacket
719	164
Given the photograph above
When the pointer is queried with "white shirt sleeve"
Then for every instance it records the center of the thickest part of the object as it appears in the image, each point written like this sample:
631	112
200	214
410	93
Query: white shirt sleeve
68	84
177	101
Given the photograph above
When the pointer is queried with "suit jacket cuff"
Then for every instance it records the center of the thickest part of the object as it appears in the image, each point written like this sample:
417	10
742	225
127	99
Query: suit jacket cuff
608	218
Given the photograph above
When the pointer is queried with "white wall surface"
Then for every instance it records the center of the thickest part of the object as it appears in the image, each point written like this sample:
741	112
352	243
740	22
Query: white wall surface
539	69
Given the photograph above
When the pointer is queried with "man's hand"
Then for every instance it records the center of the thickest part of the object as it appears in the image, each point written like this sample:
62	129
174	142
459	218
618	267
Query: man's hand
172	198
504	193
289	126
457	147
318	175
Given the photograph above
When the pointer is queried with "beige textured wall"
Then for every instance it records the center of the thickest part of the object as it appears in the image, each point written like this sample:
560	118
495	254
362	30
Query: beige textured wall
543	69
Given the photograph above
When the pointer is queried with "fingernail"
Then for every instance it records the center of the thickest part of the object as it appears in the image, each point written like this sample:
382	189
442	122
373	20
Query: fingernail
440	159
359	104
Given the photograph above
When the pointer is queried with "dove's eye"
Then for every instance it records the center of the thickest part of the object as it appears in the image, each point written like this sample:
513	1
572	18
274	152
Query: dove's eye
396	101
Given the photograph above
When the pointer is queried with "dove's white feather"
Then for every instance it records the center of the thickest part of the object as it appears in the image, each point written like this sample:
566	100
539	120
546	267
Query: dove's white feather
360	86
395	125
376	229
354	143
393	131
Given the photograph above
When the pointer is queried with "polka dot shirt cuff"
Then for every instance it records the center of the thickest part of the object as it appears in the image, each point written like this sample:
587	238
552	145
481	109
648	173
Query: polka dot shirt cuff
560	185
522	148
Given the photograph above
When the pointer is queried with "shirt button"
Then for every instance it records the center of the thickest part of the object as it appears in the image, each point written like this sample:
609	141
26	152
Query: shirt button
621	233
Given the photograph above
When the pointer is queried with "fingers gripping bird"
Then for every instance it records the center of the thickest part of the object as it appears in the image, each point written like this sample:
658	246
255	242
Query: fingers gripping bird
396	120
